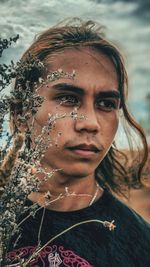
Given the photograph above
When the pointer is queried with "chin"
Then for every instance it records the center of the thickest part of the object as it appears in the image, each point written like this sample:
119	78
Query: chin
78	172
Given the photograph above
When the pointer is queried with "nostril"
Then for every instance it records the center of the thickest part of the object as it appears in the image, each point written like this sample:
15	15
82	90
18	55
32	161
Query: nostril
87	124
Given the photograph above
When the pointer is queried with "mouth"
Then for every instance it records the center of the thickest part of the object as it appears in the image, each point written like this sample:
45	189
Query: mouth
85	150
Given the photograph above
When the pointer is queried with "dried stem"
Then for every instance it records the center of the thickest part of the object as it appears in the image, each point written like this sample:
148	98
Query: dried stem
106	224
9	161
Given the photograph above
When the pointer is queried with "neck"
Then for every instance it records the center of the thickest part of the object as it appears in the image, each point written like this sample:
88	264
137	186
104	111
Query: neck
67	193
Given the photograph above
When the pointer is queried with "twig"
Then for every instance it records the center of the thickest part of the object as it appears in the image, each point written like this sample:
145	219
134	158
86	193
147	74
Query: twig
107	224
40	228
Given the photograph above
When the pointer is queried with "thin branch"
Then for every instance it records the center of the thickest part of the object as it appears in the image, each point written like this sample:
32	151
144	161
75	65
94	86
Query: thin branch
40	228
107	224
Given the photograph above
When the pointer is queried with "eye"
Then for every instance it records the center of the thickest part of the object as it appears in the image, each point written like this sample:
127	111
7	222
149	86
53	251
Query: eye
107	104
68	100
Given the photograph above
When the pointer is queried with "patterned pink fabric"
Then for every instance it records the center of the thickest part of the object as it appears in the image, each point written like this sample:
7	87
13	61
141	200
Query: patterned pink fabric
56	256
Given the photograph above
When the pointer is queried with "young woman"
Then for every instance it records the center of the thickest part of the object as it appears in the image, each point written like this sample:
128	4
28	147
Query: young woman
76	206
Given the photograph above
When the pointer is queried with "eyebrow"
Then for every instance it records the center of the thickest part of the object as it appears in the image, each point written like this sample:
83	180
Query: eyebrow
69	88
79	90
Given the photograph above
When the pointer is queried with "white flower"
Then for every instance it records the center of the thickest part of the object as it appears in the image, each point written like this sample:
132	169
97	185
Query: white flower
23	181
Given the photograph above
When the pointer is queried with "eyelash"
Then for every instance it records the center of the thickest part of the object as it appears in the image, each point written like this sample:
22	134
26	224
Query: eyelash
62	101
108	104
72	100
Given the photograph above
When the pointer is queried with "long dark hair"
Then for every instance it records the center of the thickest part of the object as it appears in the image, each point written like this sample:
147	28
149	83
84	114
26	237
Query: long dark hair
114	171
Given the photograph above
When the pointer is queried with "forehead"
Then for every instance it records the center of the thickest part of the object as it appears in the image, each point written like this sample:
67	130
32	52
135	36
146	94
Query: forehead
91	66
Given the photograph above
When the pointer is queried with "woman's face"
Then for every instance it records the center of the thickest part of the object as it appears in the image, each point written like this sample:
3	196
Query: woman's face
78	145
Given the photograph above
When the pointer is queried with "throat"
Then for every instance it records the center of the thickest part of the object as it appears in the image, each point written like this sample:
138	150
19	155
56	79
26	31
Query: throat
68	199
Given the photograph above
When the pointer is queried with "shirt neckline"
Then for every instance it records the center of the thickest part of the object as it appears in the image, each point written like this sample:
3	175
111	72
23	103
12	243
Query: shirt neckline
98	202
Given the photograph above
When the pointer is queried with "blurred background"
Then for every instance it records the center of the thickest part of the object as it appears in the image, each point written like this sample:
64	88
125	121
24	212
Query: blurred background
127	24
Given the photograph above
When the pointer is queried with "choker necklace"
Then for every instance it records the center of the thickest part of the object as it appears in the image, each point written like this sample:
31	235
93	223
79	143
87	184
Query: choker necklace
48	196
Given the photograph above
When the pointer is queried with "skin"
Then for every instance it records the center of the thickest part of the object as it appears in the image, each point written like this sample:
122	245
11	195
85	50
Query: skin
95	75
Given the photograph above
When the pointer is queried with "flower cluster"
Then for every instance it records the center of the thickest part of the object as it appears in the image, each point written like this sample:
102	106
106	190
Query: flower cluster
19	161
5	43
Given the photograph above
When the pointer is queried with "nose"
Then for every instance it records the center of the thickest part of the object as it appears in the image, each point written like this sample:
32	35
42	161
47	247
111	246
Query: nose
89	123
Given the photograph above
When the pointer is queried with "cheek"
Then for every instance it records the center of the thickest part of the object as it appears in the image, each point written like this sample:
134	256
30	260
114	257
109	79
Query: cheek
43	118
110	126
42	114
62	130
58	131
115	123
50	108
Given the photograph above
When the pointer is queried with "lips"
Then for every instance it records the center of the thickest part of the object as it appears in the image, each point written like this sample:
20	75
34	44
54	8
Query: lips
85	148
84	151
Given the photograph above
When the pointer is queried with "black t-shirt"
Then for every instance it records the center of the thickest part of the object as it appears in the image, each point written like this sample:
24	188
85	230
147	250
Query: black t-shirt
89	244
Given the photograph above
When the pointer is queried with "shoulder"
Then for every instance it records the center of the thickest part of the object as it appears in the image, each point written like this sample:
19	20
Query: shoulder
131	231
126	215
131	236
